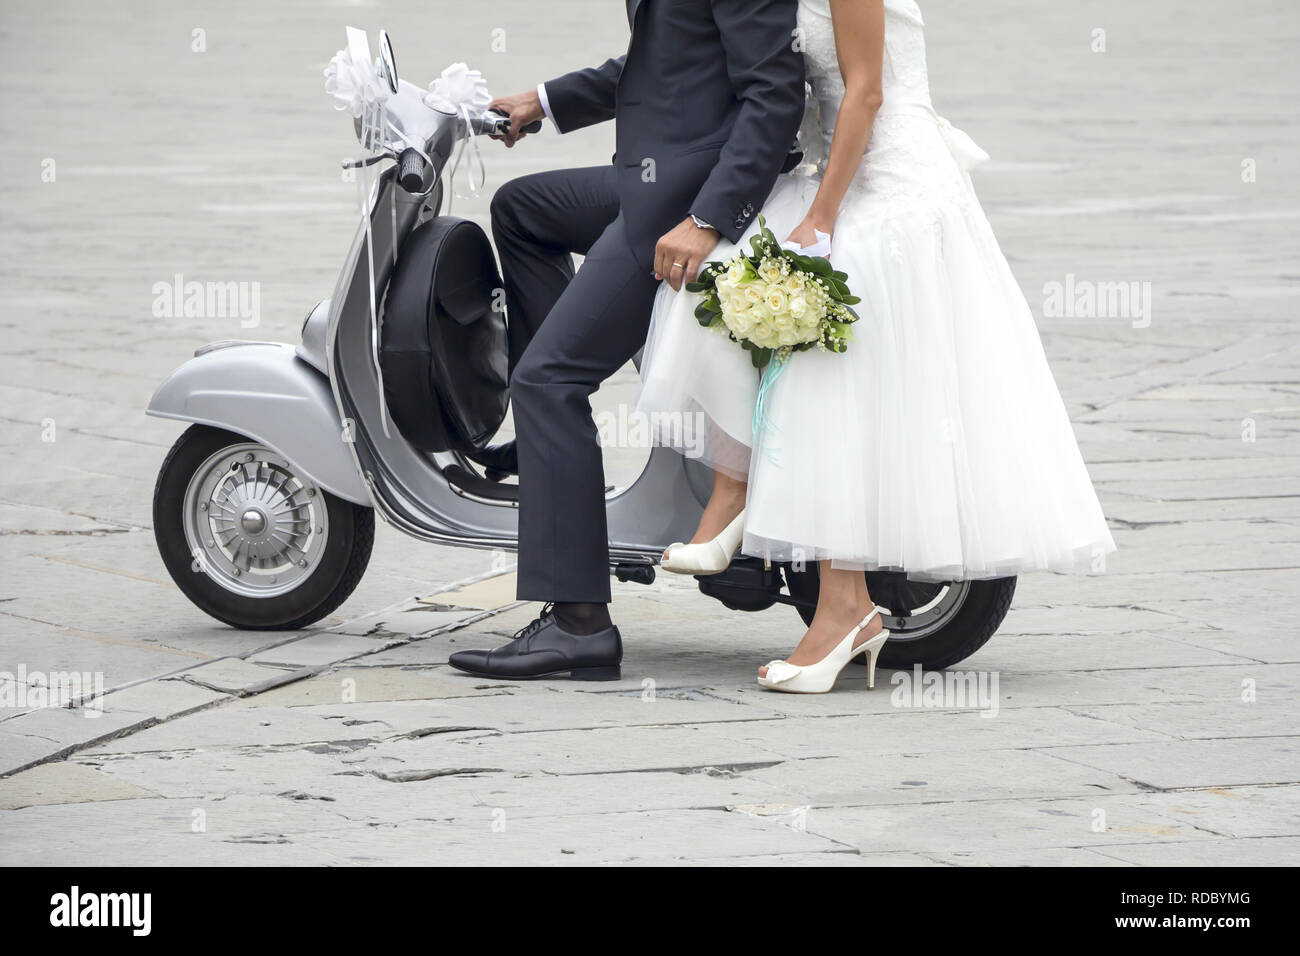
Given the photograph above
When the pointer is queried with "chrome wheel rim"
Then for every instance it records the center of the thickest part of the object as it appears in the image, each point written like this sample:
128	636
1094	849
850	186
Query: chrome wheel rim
252	524
925	618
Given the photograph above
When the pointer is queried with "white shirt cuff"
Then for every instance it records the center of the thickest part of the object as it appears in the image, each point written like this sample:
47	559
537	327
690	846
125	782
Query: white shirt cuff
546	106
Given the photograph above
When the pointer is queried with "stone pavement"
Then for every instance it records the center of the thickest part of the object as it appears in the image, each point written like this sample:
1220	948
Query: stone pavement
1143	716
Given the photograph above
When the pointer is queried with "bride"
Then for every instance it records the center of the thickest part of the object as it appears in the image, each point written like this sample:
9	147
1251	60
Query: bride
938	444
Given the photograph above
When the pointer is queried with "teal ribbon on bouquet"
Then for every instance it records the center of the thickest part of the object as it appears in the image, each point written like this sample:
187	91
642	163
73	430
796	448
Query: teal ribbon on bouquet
763	427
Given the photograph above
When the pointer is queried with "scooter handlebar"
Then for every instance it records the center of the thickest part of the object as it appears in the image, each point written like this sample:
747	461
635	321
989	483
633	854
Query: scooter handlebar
411	165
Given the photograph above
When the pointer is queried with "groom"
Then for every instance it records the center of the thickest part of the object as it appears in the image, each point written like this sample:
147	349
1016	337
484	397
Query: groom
706	102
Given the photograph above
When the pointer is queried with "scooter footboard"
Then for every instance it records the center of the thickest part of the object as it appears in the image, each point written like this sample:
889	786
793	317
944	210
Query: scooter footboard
264	391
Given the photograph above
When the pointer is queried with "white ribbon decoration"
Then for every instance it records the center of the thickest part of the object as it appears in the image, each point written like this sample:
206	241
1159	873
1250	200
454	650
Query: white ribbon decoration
462	91
358	82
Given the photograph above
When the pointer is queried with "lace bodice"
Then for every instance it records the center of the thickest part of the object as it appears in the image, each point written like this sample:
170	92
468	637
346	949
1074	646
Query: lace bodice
904	78
912	150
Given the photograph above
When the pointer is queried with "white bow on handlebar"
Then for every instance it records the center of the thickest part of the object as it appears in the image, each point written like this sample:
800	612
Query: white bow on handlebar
464	91
357	81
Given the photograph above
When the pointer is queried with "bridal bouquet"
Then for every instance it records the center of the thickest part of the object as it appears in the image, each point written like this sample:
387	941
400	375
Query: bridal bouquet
775	301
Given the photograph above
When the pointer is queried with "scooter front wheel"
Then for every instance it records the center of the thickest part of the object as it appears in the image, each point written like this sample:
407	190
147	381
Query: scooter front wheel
251	541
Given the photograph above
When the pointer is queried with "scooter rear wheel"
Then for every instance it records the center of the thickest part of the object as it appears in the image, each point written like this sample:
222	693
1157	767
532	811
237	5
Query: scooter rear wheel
935	625
249	540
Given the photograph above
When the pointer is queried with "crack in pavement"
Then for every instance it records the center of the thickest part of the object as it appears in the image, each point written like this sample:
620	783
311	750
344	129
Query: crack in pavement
414	776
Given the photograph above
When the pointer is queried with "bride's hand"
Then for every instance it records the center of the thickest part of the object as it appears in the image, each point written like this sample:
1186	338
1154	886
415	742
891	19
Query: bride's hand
805	234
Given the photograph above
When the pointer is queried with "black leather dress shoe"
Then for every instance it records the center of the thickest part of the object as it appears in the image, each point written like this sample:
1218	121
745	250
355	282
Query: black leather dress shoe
498	461
544	649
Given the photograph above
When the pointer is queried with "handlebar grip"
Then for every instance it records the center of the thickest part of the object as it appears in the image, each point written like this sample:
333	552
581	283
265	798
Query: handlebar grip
410	176
411	171
498	124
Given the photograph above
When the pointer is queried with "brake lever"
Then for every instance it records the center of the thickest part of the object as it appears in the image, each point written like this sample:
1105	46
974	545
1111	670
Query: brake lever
369	160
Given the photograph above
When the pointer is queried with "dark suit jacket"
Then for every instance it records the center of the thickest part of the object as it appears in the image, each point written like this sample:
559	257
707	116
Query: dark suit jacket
707	101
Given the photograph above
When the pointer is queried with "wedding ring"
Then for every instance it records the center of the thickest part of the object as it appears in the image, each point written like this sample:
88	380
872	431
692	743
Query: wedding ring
678	265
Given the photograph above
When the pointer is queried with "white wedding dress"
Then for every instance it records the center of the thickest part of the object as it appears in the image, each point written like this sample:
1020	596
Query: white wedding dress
938	443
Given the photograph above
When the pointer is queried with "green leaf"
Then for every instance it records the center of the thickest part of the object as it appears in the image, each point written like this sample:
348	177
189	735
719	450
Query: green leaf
760	357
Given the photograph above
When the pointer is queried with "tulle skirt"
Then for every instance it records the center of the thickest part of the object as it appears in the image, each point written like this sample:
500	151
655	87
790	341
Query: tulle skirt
938	444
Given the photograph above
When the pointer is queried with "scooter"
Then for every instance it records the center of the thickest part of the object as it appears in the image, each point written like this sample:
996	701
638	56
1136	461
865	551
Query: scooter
264	507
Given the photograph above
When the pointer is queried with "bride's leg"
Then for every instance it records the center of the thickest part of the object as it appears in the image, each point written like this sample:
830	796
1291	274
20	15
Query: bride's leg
727	499
842	601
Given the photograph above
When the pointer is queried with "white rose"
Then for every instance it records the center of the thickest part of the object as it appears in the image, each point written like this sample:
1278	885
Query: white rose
775	299
737	319
770	270
725	293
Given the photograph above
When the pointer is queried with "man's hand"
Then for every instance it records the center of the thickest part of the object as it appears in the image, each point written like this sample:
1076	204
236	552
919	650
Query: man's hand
680	254
522	108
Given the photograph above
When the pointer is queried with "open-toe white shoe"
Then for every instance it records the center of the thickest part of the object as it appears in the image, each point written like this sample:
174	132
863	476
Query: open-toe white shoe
707	557
820	677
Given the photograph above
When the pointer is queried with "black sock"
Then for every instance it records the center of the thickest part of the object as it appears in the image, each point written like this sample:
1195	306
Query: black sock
582	618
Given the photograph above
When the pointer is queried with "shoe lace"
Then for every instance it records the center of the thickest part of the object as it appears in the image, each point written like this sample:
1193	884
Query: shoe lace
532	627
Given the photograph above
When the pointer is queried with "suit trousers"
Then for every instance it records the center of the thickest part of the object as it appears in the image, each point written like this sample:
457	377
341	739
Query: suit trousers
568	333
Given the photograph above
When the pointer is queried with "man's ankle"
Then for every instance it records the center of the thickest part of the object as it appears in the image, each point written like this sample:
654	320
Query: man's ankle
582	618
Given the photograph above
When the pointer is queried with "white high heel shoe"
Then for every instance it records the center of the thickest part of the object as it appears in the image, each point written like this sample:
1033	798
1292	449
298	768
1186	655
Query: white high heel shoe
820	677
707	557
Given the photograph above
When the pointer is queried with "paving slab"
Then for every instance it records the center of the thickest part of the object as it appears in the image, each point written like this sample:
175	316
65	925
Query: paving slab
1174	764
57	783
233	675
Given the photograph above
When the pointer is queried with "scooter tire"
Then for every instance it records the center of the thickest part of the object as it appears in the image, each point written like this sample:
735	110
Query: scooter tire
338	569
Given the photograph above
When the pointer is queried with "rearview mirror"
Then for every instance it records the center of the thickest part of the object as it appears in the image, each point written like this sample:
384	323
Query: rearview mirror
386	58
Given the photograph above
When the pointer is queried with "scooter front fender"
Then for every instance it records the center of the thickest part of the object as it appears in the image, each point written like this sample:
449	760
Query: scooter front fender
263	390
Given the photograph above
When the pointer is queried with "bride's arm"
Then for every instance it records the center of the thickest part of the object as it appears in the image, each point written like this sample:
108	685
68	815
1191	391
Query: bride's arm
860	50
